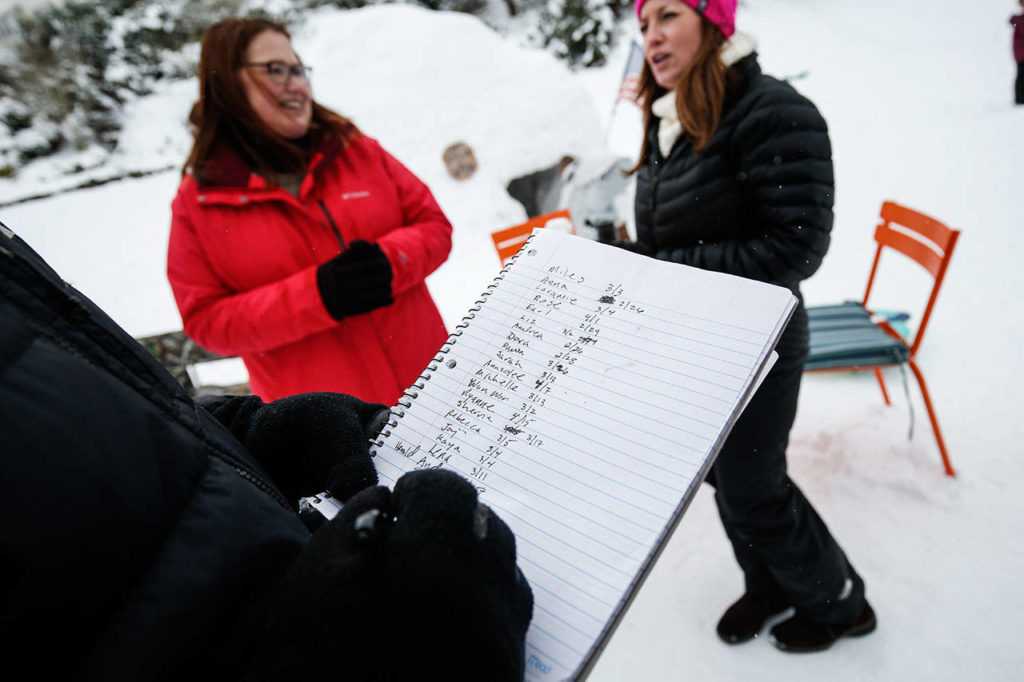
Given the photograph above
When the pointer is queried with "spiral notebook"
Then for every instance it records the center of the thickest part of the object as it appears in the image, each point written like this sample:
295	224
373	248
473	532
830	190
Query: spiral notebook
586	395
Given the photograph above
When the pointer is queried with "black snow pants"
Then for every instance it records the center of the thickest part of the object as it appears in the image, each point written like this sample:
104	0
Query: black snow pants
779	540
1019	86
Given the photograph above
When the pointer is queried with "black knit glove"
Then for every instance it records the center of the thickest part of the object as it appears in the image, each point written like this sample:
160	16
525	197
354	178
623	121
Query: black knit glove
355	281
635	247
309	442
421	583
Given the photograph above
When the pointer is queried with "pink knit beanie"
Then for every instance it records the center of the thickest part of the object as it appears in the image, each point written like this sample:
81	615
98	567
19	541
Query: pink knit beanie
721	13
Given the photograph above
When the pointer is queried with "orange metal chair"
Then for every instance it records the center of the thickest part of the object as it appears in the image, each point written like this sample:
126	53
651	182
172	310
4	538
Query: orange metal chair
508	240
845	337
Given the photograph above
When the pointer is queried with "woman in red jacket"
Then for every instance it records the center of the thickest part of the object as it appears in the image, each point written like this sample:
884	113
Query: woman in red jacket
1017	21
297	242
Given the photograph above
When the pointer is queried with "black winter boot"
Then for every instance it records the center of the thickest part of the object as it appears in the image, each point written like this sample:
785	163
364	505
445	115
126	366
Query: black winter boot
744	619
799	635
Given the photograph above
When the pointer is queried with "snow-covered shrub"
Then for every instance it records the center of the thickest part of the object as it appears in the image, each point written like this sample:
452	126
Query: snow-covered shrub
72	66
467	6
578	31
53	83
69	68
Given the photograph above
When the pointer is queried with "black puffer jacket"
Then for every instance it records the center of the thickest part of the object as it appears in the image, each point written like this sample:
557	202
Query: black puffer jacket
141	540
133	526
756	202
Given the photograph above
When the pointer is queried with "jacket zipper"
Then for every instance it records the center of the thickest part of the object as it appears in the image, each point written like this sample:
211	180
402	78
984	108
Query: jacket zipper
262	485
655	179
334	225
655	171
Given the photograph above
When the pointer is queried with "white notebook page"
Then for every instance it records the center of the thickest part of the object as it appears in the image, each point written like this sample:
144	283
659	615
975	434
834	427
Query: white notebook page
585	397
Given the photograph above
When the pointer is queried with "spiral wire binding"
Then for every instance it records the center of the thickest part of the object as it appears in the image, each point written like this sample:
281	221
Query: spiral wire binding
411	393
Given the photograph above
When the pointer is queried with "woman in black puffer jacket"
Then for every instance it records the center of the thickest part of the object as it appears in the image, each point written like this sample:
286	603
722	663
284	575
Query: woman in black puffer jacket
735	176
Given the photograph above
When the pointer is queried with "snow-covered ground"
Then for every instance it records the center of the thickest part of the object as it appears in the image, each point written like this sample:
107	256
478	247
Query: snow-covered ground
918	98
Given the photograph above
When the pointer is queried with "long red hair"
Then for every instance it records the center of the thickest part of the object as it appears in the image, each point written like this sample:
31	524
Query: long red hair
222	114
700	94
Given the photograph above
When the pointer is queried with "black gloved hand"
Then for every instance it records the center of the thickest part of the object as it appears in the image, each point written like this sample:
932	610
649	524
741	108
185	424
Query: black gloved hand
415	584
308	442
355	281
635	247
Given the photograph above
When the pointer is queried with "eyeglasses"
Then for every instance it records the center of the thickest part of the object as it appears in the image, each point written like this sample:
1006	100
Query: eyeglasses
280	73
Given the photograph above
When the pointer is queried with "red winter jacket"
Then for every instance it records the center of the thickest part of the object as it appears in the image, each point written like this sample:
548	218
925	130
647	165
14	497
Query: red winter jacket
242	263
1017	21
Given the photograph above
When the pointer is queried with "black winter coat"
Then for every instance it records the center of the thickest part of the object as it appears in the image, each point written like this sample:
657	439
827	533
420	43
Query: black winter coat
756	202
134	529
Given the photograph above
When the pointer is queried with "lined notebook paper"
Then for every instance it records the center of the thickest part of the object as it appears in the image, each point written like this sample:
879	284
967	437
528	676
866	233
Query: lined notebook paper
585	395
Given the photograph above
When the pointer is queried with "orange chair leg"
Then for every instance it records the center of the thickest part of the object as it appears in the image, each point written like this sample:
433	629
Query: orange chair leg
931	415
881	384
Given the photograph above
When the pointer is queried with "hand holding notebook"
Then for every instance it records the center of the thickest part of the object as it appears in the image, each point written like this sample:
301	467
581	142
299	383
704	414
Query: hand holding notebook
586	396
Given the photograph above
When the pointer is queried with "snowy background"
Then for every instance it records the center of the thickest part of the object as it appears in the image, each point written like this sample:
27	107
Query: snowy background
918	97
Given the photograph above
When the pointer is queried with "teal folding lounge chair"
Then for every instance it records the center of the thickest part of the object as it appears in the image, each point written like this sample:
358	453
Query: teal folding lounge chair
848	338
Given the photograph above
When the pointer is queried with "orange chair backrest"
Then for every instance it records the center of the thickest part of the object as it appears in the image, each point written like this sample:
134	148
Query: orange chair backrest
508	240
921	238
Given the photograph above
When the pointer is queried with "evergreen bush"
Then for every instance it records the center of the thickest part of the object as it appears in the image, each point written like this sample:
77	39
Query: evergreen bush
72	66
579	31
